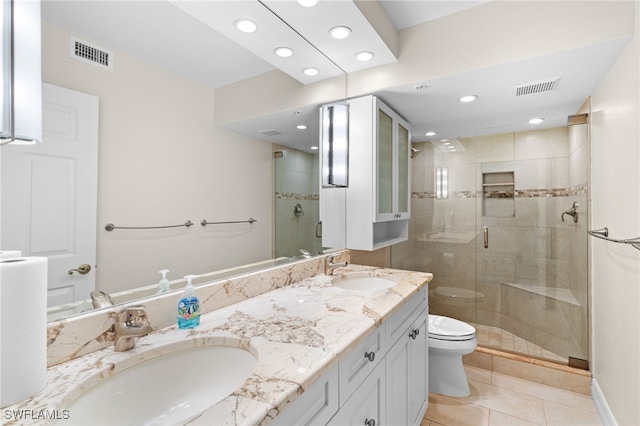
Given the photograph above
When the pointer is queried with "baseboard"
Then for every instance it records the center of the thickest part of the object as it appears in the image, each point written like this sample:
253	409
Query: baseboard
606	416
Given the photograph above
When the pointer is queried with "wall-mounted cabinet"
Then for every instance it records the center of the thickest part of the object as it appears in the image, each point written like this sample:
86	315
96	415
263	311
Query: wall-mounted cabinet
378	196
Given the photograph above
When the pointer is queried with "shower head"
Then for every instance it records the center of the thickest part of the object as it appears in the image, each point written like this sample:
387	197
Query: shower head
414	152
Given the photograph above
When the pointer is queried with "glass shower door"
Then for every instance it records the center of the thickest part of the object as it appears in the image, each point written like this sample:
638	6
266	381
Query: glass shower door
532	258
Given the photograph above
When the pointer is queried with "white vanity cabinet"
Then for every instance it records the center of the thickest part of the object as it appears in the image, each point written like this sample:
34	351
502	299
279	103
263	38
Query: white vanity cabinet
406	375
382	381
378	196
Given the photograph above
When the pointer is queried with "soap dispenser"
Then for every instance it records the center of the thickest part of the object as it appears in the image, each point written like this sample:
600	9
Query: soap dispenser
189	306
163	285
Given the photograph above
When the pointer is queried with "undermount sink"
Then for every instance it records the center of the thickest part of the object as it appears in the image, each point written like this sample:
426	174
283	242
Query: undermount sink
169	389
364	283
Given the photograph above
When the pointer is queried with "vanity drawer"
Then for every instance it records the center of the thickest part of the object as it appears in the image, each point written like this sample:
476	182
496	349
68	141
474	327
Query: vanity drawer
400	320
361	361
315	406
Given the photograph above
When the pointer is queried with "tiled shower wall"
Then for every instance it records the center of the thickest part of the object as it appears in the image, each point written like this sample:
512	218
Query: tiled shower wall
296	182
531	280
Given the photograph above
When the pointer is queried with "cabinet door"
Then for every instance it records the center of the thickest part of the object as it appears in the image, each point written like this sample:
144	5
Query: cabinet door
397	366
406	375
403	192
366	406
418	380
391	164
385	163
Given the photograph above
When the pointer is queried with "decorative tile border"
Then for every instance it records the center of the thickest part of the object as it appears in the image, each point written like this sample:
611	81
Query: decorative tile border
580	189
295	196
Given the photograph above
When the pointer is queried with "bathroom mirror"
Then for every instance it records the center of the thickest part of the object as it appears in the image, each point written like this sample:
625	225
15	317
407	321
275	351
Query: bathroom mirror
138	175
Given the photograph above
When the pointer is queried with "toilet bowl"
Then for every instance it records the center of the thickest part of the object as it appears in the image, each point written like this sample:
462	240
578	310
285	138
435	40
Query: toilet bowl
449	340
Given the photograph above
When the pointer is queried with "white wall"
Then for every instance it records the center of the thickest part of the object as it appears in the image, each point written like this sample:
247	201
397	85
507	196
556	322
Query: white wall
162	161
616	205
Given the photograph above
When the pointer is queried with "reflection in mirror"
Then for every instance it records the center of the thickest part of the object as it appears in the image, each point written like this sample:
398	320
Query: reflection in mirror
162	157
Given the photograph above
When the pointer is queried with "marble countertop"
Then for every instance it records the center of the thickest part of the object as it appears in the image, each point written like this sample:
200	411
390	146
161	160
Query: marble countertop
297	333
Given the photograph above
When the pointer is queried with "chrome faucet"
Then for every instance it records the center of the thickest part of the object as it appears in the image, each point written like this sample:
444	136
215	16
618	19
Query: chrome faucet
573	212
131	322
329	265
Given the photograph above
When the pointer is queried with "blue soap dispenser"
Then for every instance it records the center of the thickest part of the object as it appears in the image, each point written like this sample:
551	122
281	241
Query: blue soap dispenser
189	306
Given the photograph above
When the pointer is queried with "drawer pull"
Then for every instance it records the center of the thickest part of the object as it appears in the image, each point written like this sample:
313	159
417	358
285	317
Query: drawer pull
414	333
369	422
370	356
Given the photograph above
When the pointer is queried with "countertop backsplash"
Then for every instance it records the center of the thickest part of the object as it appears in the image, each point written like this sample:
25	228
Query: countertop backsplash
88	332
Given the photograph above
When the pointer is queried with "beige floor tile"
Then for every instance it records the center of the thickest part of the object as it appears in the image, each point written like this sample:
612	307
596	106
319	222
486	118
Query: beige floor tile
557	414
497	418
506	401
448	411
567	398
478	374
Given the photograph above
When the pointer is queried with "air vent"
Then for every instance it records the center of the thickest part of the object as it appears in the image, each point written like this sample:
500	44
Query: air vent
90	53
271	132
536	87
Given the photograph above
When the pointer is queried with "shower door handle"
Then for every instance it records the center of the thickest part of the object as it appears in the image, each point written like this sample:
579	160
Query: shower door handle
485	233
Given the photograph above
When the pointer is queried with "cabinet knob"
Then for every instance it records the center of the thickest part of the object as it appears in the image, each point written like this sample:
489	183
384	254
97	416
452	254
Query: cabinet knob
370	422
370	356
414	333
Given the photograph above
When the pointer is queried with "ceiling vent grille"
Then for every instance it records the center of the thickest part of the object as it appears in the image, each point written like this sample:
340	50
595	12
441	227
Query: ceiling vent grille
90	53
536	87
271	132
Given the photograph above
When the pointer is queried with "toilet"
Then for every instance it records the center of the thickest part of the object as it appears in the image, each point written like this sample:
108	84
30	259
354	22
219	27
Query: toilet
449	340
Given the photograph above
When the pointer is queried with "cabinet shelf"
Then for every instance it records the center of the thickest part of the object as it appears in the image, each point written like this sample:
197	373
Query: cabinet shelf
499	184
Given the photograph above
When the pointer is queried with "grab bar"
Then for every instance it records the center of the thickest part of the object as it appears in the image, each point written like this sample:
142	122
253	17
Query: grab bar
604	235
205	223
110	226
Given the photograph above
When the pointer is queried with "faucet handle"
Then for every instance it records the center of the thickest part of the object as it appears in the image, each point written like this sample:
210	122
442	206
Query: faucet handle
133	316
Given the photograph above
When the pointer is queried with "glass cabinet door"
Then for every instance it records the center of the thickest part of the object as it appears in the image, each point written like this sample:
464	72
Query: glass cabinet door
385	167
403	171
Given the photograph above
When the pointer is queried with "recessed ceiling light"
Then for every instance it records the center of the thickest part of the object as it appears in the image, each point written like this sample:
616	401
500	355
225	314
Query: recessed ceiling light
307	3
364	56
310	71
302	127
314	147
430	134
283	52
340	32
447	143
443	140
468	98
246	25
538	120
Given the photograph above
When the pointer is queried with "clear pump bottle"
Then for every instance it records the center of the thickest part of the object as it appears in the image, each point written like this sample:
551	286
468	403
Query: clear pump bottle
163	285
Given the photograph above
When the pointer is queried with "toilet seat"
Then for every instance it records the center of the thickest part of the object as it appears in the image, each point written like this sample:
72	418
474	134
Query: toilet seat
445	328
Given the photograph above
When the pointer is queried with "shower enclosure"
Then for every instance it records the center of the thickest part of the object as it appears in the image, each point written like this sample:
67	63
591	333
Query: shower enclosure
500	220
296	203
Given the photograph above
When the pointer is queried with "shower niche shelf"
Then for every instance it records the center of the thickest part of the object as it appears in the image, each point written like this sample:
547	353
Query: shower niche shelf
498	194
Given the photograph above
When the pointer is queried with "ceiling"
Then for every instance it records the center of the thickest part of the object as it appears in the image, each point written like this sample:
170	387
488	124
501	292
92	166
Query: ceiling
162	32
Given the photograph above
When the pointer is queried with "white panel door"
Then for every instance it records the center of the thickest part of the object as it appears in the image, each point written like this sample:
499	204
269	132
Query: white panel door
49	193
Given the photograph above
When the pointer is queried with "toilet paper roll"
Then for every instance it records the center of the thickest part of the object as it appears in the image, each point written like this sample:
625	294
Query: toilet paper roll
23	328
10	254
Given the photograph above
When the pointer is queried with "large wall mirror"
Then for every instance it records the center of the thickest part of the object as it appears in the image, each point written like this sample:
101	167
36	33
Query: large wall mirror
161	157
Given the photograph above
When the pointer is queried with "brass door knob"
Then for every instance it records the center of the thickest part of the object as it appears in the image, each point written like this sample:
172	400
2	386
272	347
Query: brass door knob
82	269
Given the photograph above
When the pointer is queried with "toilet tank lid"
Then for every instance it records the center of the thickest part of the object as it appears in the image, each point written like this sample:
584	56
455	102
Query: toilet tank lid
445	326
